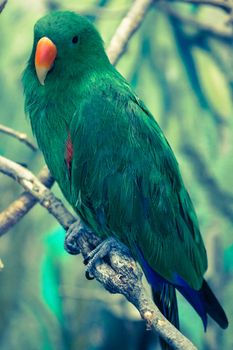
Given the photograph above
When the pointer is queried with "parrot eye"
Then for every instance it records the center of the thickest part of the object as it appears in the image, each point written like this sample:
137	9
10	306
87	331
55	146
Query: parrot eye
75	39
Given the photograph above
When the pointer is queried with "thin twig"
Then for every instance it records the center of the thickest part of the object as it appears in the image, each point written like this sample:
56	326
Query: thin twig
2	5
21	206
22	137
203	28
224	5
127	28
32	185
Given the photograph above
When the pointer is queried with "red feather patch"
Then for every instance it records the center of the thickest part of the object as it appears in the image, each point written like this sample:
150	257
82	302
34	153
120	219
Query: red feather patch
69	152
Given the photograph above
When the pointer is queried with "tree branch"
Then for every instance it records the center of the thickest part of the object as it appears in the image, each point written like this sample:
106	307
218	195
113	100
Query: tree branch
224	5
22	137
21	206
127	28
32	185
122	275
203	28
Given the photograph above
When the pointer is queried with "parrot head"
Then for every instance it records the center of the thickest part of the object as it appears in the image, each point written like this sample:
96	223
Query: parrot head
66	45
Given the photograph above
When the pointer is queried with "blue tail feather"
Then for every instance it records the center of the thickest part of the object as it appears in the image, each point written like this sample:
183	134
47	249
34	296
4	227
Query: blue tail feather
194	298
203	300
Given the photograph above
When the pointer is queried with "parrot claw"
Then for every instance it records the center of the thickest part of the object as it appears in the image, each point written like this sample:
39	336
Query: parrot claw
76	240
88	276
100	252
75	232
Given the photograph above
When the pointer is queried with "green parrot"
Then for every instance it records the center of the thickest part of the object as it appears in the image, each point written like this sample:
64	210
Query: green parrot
113	163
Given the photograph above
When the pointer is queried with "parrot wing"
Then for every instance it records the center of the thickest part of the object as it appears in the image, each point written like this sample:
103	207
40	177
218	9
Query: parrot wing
126	183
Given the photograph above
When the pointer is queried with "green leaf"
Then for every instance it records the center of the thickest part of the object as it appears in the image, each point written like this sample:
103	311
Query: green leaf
214	84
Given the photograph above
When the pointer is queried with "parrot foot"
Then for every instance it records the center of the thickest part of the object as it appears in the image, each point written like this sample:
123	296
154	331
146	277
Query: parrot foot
75	235
100	252
80	238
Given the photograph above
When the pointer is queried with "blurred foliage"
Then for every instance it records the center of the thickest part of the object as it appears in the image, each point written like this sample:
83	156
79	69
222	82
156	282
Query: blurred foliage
186	80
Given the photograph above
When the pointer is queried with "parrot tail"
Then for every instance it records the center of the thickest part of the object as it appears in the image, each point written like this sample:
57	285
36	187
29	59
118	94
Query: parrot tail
212	306
203	300
164	297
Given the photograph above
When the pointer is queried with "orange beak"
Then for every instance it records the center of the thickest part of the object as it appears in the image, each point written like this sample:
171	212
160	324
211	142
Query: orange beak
46	53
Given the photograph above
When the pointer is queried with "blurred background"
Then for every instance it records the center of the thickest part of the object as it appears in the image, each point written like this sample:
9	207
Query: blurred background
180	63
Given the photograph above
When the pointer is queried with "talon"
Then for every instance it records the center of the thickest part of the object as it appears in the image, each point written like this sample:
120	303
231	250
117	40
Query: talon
99	253
86	260
71	247
88	276
74	235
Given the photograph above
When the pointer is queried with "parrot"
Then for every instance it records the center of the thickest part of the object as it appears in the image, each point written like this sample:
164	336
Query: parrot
113	163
